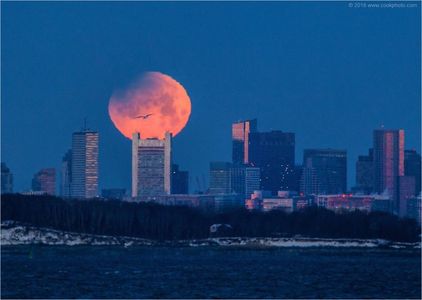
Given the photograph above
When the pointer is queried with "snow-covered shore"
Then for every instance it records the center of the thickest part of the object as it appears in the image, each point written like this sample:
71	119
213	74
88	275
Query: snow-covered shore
19	234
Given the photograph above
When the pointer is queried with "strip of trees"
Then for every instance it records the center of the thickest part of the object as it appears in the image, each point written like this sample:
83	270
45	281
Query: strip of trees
153	221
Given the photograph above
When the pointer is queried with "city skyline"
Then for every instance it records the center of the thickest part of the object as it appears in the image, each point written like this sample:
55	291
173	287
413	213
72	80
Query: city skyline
328	100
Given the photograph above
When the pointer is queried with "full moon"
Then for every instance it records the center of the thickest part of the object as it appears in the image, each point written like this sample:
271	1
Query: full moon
151	105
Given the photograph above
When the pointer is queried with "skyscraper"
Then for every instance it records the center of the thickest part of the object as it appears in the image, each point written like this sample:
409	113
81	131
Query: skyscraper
220	178
309	181
45	181
179	180
240	140
388	162
66	174
365	173
252	180
6	179
244	180
274	153
328	167
151	166
84	169
412	167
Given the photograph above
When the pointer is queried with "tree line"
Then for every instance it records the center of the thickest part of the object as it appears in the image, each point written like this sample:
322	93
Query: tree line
159	222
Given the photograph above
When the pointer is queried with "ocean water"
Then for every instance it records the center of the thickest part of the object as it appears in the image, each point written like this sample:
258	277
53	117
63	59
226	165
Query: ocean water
208	272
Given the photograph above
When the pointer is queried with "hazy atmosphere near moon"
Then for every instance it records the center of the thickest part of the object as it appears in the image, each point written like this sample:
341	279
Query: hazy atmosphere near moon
151	105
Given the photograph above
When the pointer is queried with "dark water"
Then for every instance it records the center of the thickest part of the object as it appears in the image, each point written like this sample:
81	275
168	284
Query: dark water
152	272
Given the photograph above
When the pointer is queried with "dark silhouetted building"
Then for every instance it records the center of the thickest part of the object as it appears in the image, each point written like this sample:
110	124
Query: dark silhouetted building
365	173
274	153
66	175
179	180
6	179
388	162
414	208
84	169
297	177
406	192
45	181
412	167
325	171
240	140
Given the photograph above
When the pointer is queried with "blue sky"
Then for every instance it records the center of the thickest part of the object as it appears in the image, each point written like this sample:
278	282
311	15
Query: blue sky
325	71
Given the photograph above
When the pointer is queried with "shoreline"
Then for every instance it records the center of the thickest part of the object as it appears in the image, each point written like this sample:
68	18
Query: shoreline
13	234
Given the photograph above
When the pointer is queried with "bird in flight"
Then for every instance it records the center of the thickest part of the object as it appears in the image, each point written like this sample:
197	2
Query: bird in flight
143	116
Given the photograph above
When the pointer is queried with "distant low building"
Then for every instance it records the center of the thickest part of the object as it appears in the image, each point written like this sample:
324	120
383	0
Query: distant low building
116	193
225	202
34	193
201	201
288	201
350	202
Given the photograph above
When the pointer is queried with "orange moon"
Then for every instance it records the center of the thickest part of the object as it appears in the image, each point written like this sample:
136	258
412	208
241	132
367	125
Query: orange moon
151	105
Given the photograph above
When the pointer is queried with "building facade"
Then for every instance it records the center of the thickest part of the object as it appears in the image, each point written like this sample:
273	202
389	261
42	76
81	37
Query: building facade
45	181
220	178
84	182
349	202
388	162
274	153
151	165
365	173
325	171
240	140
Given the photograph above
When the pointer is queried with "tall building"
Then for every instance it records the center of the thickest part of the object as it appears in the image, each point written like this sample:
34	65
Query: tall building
325	170
220	178
84	164
412	167
6	179
274	153
179	180
388	162
244	180
309	184
66	175
45	181
252	180
240	140
365	173
151	166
